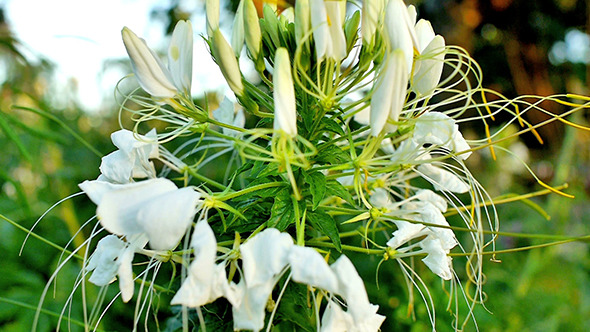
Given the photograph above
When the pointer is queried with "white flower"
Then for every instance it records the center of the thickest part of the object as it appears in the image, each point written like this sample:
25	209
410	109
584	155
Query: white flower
264	257
153	77
284	94
389	93
206	281
132	158
326	21
440	129
442	179
155	208
399	30
113	257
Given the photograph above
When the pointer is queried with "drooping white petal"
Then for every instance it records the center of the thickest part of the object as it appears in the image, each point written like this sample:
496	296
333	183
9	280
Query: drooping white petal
249	314
96	189
389	92
335	319
104	262
309	267
284	94
437	260
130	143
352	288
166	218
125	273
265	255
117	167
335	10
426	195
429	213
180	56
206	281
152	76
406	230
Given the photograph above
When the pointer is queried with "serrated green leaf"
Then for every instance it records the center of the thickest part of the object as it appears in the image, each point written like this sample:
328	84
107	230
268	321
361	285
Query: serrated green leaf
325	224
317	187
335	188
333	126
295	313
331	154
282	213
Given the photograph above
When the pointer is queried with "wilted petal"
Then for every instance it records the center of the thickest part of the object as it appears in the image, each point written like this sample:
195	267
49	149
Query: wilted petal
309	267
152	76
284	94
265	255
180	56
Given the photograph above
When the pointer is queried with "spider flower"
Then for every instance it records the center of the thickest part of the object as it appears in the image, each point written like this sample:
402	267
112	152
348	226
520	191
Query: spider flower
156	79
399	30
326	20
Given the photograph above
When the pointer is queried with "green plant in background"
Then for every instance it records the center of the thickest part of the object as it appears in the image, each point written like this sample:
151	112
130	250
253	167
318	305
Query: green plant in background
365	160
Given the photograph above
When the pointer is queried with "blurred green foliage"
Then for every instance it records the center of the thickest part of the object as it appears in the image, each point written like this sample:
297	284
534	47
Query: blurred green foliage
45	154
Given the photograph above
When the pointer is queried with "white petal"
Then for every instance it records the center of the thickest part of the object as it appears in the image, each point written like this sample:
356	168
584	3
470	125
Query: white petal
426	195
442	179
380	198
104	261
148	69
372	10
335	319
265	255
180	56
321	31
430	64
117	167
125	273
284	94
440	129
437	260
130	143
96	189
424	34
309	267
405	230
352	288
335	11
166	217
249	314
431	214
398	30
118	209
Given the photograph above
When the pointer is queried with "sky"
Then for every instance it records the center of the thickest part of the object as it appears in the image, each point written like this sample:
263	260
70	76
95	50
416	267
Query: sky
78	36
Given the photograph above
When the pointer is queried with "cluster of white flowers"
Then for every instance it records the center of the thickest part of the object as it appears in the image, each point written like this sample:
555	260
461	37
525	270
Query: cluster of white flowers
362	116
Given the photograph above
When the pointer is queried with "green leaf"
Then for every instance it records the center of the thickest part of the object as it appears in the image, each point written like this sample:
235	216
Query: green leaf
351	30
333	126
325	224
331	154
317	187
335	188
282	213
295	312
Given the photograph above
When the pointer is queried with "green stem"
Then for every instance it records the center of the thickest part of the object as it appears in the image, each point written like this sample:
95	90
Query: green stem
250	189
346	247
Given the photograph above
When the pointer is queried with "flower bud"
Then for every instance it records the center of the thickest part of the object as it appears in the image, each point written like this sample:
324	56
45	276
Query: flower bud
212	10
252	28
152	76
237	34
284	94
400	31
302	20
326	20
227	62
